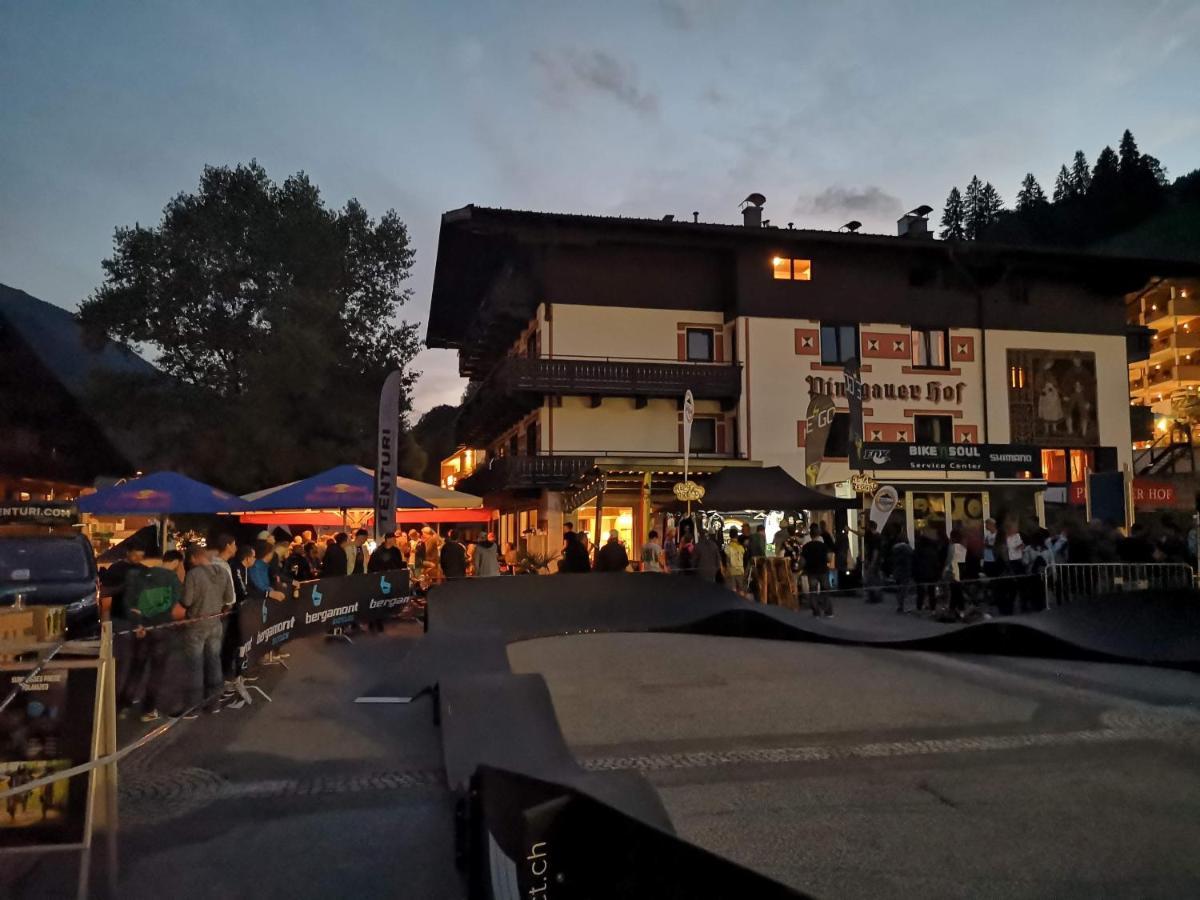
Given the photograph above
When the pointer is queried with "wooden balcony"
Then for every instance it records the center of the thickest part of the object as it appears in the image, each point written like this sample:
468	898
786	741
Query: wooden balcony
519	384
516	473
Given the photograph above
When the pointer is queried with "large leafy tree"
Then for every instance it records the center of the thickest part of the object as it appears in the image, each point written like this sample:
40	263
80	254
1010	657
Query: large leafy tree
275	317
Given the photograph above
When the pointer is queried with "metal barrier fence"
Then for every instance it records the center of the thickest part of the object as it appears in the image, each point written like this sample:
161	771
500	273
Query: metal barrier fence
1066	582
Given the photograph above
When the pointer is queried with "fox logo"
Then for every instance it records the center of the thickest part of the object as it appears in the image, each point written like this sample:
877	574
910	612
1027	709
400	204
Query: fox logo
317	596
384	585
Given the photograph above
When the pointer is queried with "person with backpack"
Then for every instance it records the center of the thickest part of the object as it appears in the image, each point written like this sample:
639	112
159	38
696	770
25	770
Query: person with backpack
152	592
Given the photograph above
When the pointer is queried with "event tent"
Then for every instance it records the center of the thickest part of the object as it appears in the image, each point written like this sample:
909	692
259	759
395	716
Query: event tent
353	487
159	494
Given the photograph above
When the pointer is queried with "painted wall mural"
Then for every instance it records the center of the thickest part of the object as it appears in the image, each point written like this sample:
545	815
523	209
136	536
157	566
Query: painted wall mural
1052	398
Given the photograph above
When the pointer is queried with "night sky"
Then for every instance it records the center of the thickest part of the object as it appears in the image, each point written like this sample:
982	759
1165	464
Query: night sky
834	111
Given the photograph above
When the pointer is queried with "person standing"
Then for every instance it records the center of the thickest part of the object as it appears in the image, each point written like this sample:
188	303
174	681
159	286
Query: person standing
817	555
152	590
956	563
707	558
453	557
207	591
387	557
735	552
574	558
901	558
240	568
653	556
485	556
361	555
792	550
872	562
927	569
612	557
297	564
336	559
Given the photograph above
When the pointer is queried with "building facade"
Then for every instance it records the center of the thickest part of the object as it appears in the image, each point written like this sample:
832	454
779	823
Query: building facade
581	334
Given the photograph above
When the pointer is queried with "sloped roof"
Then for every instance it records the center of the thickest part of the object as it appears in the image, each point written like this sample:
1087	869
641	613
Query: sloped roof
55	336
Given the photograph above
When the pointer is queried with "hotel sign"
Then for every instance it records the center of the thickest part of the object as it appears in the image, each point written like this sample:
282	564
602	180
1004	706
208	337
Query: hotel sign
1001	460
930	391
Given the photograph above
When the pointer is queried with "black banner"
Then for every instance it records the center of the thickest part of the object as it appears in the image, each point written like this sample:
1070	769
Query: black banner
854	400
314	607
46	729
38	512
1001	460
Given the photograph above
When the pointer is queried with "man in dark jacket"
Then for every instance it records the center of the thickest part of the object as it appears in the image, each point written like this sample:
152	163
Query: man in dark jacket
387	557
928	564
453	556
335	556
612	556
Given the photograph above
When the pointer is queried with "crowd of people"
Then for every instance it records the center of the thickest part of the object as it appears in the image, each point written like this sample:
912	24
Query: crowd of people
183	670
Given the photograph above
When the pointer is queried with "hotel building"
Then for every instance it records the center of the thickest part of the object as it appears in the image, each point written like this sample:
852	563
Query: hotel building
580	335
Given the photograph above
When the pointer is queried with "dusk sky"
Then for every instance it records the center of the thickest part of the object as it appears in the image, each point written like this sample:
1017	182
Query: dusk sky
833	110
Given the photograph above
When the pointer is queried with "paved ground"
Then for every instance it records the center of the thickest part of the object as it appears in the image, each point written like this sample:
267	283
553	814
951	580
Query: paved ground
309	795
851	772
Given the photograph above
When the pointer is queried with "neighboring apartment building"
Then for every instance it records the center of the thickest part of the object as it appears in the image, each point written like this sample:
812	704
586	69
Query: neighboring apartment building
581	334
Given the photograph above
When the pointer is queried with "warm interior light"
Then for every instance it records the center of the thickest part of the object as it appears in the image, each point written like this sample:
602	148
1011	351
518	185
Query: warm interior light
777	260
1153	306
1162	424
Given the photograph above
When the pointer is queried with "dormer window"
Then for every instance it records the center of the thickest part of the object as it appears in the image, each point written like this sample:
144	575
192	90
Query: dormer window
786	269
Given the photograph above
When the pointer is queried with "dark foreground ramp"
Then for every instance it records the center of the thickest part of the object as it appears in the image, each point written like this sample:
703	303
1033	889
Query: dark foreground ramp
504	751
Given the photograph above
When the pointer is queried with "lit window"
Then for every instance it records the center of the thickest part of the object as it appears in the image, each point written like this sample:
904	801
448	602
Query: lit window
929	349
785	269
700	344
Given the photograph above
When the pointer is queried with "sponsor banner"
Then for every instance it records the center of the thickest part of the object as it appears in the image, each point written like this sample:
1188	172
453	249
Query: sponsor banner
314	607
387	455
885	500
1001	460
854	398
38	512
1147	494
47	728
817	423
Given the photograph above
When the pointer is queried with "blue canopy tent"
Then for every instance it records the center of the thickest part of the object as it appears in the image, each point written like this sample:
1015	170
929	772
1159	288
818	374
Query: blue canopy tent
342	488
159	494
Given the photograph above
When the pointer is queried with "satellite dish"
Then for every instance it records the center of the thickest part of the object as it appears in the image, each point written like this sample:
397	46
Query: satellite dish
921	211
852	226
755	199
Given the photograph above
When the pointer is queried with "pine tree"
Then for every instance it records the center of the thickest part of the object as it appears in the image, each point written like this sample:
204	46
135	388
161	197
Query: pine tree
973	212
1106	170
1063	189
1031	194
952	217
1130	159
992	204
1081	178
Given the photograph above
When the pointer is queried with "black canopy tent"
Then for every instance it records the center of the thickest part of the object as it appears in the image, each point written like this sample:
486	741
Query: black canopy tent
764	488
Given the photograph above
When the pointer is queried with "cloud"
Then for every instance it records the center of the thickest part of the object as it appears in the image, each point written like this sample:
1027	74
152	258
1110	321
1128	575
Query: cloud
865	200
684	14
714	96
569	73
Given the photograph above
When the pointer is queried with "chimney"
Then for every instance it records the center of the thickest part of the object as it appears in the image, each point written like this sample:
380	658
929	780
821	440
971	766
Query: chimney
752	210
915	223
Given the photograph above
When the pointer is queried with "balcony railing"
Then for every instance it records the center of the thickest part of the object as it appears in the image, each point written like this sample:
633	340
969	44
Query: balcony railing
618	377
518	384
514	473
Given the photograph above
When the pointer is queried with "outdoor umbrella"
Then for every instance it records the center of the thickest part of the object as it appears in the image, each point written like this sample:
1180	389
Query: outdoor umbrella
342	487
159	494
764	488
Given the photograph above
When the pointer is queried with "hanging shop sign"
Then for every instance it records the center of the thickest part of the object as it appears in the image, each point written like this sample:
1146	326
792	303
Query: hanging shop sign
1001	460
863	483
688	491
817	423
